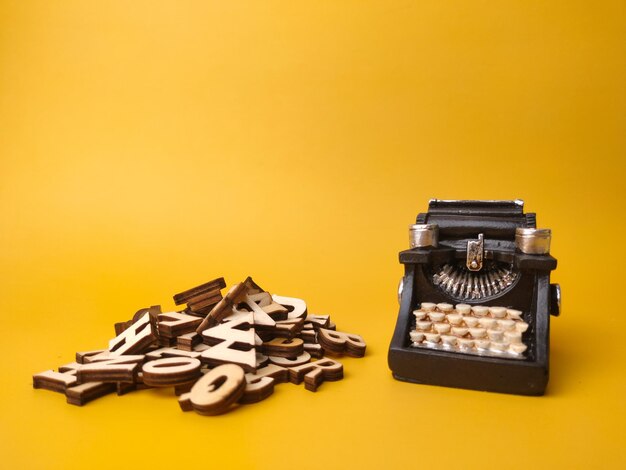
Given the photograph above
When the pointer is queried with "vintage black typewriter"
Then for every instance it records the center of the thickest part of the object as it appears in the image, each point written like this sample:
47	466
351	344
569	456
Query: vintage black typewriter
476	299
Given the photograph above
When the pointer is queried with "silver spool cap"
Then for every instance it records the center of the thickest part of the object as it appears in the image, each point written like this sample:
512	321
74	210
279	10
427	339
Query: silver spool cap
533	241
423	235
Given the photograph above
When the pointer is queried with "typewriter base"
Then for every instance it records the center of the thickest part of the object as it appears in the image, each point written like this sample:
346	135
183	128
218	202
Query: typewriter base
470	372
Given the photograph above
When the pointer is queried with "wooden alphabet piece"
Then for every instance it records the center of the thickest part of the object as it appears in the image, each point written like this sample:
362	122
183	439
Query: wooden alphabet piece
153	311
188	341
214	285
296	307
318	321
315	350
308	334
171	371
111	369
214	354
231	342
291	362
278	373
262	299
174	324
341	343
171	352
224	307
284	347
257	390
84	393
83	357
288	328
261	384
216	391
137	338
260	318
55	381
314	373
204	304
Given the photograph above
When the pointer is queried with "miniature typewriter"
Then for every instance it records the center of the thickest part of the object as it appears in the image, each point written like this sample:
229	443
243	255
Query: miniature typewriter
476	299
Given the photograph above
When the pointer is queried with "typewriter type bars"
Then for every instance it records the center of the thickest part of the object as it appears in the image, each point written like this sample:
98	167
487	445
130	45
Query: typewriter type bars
476	299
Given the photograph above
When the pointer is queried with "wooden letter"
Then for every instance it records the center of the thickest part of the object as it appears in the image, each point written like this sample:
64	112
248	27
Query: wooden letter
187	341
83	357
296	307
172	324
287	362
81	394
314	373
232	342
113	369
280	374
171	371
338	343
257	389
136	339
215	392
55	381
284	347
171	352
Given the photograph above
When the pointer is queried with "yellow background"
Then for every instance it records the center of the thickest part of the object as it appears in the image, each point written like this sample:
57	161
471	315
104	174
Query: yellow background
146	147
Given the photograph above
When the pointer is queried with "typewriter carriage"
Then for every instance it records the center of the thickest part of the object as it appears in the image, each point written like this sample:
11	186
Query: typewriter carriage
478	253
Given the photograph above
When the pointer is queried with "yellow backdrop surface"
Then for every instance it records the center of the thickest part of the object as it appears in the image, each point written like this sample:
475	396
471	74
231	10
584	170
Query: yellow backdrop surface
147	147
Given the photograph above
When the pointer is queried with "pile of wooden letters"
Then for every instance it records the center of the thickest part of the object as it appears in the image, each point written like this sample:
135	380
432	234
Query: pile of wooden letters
216	352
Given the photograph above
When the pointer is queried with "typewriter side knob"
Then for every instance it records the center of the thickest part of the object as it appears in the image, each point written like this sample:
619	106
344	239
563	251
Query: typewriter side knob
533	241
423	235
555	299
400	289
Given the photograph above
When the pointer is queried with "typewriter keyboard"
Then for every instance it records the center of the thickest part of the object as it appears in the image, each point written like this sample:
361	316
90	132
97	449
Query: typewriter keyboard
478	330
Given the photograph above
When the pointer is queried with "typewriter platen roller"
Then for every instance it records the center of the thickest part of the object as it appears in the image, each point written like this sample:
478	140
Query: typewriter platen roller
476	299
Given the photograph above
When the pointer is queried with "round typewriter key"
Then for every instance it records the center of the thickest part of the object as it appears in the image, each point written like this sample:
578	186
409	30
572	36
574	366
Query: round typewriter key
506	325
465	343
428	306
497	312
432	337
521	326
497	346
448	340
454	318
465	309
513	336
470	321
436	316
480	311
423	325
514	314
517	348
419	314
477	332
488	322
416	336
443	307
482	344
441	327
459	330
495	335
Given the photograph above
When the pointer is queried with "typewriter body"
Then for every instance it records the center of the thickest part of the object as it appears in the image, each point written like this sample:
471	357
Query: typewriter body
476	299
